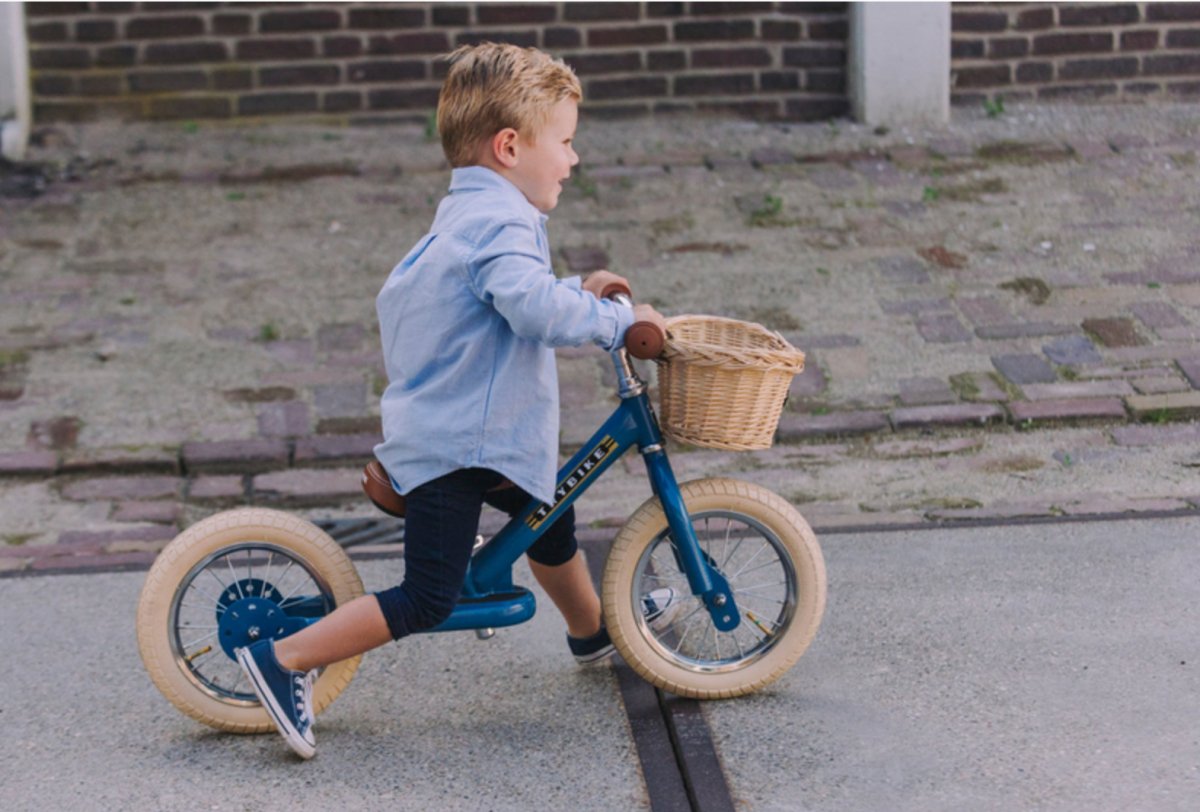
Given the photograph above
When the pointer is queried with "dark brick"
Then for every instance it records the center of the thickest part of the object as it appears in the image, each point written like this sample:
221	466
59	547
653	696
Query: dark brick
627	35
342	101
715	84
1098	68
53	85
349	425
1008	47
395	99
983	76
591	63
716	30
197	107
523	39
726	9
602	89
160	81
966	48
451	15
231	24
802	57
266	104
1037	19
1186	38
941	328
816	109
1098	15
780	30
524	14
818	81
293	75
95	31
762	110
100	85
1051	44
336	448
1067	410
47	9
779	81
383	18
281	49
118	56
235	455
562	38
127	487
274	22
184	53
163	27
57	433
346	46
28	463
1024	368
666	60
1114	332
828	30
1139	40
731	58
233	79
385	71
1171	64
47	32
592	12
957	414
1184	88
1035	72
59	58
978	21
1172	12
1023	329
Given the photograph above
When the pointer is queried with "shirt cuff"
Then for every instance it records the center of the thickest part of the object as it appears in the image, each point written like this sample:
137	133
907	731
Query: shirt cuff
624	322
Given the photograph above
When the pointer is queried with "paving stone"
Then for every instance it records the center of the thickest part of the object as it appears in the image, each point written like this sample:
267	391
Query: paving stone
957	414
1172	406
796	427
266	394
823	342
1066	410
1190	367
86	563
1023	369
768	156
120	547
900	449
1114	332
1155	352
151	459
287	419
1135	436
832	177
293	353
941	328
340	337
1157	315
55	434
902	269
840	521
138	488
1025	329
998	510
350	425
159	512
809	383
324	449
28	463
1102	504
847	364
235	455
984	311
1190	333
911	307
340	401
1076	389
309	486
1160	385
1074	350
89	539
217	487
925	391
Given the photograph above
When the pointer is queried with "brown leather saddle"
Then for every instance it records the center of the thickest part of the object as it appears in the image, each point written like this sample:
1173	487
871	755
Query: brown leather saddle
378	486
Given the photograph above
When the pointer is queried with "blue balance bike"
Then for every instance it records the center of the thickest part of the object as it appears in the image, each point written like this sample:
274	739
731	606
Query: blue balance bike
748	565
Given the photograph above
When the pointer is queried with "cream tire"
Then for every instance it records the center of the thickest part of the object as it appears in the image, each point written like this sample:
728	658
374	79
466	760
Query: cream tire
180	576
772	561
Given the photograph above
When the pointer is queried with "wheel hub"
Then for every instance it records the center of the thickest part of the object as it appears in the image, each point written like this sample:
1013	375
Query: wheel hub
249	610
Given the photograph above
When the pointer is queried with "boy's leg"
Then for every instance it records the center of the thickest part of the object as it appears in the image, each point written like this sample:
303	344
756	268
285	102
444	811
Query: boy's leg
352	629
569	585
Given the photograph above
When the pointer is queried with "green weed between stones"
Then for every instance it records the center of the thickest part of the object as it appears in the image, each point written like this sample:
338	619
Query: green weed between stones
268	332
994	107
18	539
13	358
767	213
1033	289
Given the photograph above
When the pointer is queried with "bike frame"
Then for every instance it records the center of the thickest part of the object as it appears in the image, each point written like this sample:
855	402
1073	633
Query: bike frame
489	597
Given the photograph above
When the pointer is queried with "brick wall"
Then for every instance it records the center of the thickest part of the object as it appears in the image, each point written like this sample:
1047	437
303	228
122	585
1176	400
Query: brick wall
1056	51
218	60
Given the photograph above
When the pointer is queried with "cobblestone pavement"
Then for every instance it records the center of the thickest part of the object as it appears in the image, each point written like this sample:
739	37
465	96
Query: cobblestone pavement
1001	316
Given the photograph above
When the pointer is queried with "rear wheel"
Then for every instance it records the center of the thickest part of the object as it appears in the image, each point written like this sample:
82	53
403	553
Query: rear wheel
773	564
228	580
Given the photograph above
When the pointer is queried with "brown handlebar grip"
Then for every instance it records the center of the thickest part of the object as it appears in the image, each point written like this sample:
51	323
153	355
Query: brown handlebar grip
645	340
613	288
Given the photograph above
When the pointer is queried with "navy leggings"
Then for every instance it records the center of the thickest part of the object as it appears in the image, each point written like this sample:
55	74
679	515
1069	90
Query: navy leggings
440	523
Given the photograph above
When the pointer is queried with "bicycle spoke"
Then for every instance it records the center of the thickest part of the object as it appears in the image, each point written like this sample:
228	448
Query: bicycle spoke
758	586
236	583
764	546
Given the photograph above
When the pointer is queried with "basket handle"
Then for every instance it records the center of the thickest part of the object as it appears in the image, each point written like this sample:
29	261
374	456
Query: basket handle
643	339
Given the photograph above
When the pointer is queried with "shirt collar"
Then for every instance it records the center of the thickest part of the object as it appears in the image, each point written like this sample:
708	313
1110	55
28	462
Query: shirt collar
476	178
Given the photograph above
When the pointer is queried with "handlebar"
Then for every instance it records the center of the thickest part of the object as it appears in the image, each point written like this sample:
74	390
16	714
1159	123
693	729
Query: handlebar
644	339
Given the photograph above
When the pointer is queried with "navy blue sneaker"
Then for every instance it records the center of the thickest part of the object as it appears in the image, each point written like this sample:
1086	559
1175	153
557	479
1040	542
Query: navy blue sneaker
659	608
286	694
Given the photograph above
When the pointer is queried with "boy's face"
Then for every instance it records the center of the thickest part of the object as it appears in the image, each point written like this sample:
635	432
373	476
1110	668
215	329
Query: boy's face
544	164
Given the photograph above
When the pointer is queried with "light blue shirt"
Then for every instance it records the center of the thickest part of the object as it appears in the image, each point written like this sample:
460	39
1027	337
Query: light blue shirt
468	321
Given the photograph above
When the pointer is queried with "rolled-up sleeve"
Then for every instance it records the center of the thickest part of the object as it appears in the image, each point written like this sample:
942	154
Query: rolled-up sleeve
508	272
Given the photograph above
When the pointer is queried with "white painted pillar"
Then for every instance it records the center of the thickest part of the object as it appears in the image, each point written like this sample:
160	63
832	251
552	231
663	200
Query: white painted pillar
899	62
15	112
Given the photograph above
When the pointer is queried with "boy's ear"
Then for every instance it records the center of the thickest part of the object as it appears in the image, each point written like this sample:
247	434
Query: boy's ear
504	147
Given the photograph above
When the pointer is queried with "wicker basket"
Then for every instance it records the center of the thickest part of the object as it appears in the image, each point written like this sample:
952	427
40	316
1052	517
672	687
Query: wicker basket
723	383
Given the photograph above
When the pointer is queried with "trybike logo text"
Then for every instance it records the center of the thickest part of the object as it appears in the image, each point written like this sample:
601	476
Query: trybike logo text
573	480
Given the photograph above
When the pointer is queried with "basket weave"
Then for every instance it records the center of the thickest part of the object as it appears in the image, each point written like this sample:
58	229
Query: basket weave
723	382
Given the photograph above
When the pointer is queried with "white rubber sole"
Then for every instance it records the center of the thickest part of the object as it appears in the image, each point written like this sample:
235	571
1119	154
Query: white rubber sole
300	745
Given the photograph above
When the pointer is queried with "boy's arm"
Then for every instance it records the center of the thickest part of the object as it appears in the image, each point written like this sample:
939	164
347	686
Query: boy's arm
508	272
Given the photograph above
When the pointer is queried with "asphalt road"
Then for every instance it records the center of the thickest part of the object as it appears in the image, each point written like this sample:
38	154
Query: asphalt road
1019	667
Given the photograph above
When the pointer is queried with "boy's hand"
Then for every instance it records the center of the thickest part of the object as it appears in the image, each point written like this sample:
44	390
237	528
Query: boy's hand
645	312
595	282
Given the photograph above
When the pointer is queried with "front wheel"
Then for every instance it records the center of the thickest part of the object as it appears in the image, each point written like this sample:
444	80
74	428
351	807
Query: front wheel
773	564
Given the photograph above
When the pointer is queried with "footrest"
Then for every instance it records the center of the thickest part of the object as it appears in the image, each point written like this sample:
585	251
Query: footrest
491	611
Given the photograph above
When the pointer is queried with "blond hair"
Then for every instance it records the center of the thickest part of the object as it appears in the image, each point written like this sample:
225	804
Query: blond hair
490	87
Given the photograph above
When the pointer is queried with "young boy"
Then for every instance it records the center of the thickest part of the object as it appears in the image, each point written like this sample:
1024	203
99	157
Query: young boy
470	415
